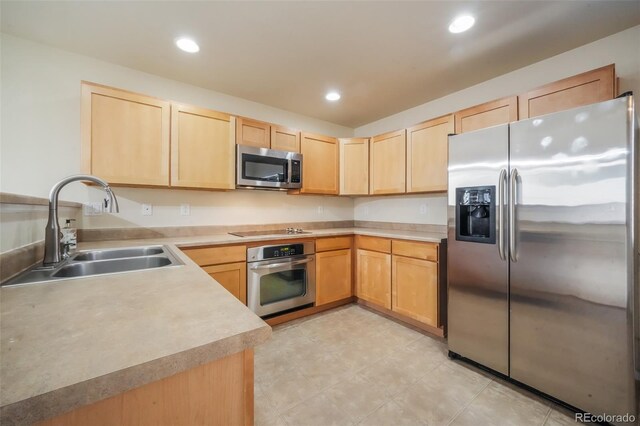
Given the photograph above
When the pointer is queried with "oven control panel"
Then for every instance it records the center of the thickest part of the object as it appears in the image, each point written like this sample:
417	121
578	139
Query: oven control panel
282	251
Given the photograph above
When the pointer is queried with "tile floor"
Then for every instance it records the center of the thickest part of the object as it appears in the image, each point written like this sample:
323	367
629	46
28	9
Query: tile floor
351	366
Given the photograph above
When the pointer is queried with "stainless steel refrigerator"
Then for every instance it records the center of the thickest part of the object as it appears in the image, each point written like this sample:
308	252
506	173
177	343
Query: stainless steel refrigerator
542	261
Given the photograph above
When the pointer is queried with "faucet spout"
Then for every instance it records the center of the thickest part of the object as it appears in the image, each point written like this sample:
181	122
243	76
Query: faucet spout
53	247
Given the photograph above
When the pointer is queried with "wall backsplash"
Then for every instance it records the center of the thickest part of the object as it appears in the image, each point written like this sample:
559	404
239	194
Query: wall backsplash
419	208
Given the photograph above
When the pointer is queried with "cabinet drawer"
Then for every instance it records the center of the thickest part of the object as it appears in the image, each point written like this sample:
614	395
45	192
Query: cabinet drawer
426	251
334	243
217	255
373	243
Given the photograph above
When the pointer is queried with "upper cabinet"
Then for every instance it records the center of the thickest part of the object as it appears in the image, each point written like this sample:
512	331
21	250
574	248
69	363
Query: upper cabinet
427	155
387	163
253	133
266	135
320	164
500	111
202	148
125	136
354	166
583	89
285	139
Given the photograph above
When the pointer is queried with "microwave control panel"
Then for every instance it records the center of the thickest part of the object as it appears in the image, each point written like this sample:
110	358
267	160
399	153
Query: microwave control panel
295	171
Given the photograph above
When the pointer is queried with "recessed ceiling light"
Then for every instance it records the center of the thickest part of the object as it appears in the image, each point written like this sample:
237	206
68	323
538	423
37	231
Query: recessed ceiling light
332	96
462	24
187	45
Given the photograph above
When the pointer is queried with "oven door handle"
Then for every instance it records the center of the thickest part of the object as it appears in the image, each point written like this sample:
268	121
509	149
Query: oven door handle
280	265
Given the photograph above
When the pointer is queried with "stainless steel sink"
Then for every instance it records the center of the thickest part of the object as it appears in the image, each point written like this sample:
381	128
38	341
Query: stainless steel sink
116	253
99	262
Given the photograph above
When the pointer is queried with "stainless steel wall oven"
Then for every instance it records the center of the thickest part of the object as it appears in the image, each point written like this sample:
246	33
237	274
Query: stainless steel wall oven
280	277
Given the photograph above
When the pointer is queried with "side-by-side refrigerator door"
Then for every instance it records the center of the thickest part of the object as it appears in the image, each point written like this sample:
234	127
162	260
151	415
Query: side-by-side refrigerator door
478	310
571	327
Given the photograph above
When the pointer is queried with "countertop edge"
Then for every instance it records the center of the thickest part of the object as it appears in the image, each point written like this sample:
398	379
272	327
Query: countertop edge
60	401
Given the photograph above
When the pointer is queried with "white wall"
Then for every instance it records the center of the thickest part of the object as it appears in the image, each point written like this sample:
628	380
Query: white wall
40	94
621	49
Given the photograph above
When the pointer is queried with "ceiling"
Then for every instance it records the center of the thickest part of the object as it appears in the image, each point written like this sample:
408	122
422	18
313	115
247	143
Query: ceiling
384	57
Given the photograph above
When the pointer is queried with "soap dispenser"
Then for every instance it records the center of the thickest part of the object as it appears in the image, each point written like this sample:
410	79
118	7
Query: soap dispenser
69	236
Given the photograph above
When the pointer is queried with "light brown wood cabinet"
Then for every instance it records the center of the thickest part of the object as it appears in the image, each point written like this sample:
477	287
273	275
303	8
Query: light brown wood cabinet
285	139
427	155
333	276
387	163
320	166
202	148
253	133
354	166
593	86
500	111
414	281
266	135
373	277
227	265
125	136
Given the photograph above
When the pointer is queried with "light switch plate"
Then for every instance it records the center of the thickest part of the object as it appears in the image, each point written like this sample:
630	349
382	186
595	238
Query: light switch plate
147	210
423	209
320	210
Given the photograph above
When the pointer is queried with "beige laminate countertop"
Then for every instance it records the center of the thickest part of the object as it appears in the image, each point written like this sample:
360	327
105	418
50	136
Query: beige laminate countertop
69	343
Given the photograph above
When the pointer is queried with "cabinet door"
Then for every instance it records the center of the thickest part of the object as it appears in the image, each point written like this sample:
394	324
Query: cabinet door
354	166
489	114
333	276
253	133
125	136
284	139
232	276
374	277
319	164
202	148
583	89
427	155
387	163
414	286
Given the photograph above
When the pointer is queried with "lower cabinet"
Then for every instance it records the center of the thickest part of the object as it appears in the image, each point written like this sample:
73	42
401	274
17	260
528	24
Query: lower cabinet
374	277
333	276
334	269
402	276
227	265
231	276
414	289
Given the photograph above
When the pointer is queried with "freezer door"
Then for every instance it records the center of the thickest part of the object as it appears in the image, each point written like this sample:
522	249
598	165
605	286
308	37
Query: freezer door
478	317
571	282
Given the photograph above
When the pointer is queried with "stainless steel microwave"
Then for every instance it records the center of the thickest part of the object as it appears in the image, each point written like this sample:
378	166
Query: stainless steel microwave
263	168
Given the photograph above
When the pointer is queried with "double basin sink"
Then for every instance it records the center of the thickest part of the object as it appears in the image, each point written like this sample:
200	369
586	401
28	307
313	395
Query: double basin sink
98	262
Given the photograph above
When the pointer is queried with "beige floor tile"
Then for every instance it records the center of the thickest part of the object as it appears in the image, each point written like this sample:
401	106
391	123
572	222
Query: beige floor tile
391	414
289	389
263	412
324	369
499	404
316	411
442	393
389	375
560	417
356	397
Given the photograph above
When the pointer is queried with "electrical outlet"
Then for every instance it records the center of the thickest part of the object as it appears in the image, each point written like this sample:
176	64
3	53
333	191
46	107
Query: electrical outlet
147	210
320	210
423	209
366	210
185	209
93	208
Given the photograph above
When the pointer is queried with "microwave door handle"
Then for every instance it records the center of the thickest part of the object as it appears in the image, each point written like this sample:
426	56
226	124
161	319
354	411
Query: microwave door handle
282	264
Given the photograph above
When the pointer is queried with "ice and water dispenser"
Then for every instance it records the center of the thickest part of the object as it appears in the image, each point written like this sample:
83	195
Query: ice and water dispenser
475	214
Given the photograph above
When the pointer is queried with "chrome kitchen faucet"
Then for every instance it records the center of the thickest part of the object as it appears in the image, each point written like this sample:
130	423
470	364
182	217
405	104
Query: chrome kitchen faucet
53	245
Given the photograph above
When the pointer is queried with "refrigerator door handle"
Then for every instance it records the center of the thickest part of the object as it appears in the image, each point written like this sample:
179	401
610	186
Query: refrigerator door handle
513	194
502	180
